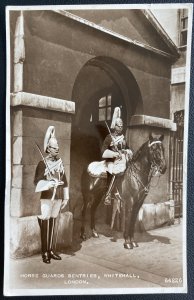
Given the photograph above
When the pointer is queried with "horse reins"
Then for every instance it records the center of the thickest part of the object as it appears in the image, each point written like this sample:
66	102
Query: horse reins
145	188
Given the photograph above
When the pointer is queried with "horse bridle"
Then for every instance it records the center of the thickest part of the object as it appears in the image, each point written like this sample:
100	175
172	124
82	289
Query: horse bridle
154	167
155	164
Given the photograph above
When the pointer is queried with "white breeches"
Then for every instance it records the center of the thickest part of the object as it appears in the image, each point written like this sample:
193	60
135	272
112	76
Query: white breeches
110	166
50	209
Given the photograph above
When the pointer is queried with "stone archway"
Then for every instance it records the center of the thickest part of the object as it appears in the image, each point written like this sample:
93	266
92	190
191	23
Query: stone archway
100	77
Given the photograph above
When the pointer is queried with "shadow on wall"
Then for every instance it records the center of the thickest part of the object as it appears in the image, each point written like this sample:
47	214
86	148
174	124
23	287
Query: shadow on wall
84	149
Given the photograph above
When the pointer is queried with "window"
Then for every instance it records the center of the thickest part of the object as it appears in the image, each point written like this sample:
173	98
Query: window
176	162
183	27
179	117
104	108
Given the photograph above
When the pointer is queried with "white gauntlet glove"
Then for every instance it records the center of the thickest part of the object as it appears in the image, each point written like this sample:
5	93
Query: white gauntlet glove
65	197
109	154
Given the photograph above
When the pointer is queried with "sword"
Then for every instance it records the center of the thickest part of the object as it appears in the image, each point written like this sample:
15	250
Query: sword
45	162
57	226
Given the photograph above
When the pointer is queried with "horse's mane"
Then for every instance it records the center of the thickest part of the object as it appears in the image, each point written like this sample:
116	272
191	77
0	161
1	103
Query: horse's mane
137	154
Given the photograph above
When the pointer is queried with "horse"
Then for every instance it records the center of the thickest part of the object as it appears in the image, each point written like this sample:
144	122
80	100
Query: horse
147	162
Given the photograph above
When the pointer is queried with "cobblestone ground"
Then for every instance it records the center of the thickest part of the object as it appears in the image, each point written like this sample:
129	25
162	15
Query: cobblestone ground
104	263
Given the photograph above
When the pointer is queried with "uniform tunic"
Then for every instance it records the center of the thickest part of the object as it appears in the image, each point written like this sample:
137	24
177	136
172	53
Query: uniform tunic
57	172
50	209
120	142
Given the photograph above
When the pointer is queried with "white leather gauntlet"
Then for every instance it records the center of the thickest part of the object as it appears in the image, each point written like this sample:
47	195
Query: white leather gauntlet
108	154
43	185
66	193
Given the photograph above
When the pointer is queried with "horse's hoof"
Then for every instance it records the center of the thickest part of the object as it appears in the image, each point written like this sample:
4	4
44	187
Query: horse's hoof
128	245
95	234
135	244
83	237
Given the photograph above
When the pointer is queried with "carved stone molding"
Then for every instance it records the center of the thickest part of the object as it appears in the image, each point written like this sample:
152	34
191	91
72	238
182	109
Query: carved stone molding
43	102
137	120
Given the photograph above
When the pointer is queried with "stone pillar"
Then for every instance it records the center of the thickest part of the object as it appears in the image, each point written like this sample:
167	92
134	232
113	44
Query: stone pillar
30	117
19	53
157	208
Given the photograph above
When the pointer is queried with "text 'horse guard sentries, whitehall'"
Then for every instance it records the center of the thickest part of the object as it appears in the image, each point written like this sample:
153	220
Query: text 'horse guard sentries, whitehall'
147	162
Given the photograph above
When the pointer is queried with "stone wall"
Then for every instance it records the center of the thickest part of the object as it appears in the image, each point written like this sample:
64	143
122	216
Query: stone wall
25	235
56	50
31	115
29	127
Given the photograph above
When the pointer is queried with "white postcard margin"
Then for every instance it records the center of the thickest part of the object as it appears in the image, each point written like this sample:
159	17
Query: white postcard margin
101	291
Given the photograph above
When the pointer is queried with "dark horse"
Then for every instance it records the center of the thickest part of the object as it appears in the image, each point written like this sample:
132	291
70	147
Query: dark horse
148	161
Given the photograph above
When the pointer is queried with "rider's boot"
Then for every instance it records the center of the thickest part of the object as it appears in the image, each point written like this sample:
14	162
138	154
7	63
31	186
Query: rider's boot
52	254
107	200
44	224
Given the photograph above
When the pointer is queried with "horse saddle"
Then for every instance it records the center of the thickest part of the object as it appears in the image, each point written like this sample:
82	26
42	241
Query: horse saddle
98	169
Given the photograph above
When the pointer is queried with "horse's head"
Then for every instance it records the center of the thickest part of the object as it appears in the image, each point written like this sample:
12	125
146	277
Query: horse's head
156	153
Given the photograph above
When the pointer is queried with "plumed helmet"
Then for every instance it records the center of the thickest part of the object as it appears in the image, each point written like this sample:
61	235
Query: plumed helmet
116	117
49	136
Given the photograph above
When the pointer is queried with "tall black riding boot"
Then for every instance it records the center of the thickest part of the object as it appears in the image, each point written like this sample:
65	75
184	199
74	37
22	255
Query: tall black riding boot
44	224
52	254
111	183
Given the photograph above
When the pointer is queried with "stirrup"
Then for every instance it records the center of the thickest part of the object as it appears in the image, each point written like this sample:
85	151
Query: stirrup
107	200
118	196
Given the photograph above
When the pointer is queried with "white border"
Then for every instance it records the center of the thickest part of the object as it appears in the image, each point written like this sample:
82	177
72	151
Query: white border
8	163
103	6
100	291
185	145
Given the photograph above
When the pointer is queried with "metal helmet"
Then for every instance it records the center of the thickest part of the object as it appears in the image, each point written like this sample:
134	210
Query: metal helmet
50	138
116	117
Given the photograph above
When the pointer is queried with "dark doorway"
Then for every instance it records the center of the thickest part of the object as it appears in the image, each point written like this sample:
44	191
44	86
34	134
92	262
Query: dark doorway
99	87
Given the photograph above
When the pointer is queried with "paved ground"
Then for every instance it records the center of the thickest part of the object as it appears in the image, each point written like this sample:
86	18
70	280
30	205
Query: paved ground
104	263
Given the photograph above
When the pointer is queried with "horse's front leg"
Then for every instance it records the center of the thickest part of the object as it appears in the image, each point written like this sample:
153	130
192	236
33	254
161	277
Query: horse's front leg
128	215
96	202
83	234
135	211
132	226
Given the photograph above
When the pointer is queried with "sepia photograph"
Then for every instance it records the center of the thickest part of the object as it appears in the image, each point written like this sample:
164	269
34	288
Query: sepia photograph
97	106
